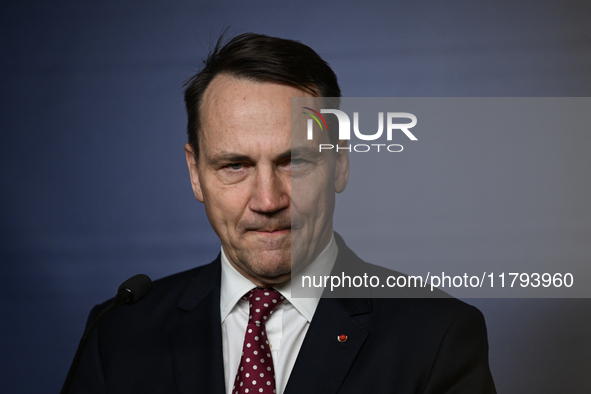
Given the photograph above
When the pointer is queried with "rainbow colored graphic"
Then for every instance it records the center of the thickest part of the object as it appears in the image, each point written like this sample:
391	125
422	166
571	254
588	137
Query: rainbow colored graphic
316	118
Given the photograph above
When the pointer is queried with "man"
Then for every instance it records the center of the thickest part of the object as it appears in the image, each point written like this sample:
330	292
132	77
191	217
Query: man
233	326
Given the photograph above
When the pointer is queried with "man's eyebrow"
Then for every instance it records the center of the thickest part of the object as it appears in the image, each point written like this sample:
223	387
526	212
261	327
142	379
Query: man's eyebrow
303	151
285	155
228	157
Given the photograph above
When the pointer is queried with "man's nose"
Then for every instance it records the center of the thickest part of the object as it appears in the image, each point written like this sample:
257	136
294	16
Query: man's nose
270	191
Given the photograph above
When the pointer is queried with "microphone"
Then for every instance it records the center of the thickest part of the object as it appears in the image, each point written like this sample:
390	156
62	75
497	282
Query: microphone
130	292
133	290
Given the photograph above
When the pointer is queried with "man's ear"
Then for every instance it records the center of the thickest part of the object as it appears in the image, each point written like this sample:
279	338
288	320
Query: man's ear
342	167
193	172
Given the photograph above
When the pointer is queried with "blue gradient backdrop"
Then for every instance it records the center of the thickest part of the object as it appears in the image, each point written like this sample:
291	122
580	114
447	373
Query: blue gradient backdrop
94	183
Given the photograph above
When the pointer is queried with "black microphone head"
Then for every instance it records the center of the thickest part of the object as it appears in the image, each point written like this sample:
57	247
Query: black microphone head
136	288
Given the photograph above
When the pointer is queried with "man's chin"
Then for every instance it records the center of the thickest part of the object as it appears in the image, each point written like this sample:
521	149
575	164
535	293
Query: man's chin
272	269
264	281
268	266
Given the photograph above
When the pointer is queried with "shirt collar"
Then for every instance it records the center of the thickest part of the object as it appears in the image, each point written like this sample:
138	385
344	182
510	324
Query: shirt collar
234	285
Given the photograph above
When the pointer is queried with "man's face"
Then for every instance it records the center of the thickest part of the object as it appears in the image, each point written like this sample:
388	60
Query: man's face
244	178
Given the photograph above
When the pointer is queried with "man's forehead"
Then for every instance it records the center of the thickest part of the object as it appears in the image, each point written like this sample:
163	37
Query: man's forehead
225	90
228	93
232	105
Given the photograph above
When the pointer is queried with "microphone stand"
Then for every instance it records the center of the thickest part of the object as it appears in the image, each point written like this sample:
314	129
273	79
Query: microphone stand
125	295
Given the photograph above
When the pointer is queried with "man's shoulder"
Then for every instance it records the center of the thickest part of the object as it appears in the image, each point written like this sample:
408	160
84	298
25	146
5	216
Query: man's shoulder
177	283
413	305
397	295
430	314
166	294
368	280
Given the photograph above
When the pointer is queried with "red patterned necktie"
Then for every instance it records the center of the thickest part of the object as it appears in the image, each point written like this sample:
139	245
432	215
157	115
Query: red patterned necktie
256	374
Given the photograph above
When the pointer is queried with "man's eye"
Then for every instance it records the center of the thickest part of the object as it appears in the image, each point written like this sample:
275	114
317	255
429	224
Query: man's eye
296	161
235	166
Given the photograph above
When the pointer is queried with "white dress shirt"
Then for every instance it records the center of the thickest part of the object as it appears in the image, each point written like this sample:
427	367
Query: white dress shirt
286	327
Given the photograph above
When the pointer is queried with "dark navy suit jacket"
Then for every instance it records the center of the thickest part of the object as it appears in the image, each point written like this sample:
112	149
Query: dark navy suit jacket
171	342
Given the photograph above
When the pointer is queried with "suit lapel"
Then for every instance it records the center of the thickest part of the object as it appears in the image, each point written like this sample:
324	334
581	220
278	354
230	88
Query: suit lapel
196	340
323	361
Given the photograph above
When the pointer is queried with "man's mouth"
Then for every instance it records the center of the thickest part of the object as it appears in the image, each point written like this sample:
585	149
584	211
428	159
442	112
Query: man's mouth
271	230
271	227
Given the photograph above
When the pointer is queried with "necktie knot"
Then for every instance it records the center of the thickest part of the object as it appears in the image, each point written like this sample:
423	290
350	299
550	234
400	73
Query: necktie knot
262	304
